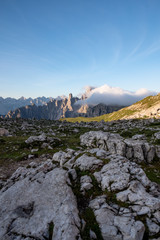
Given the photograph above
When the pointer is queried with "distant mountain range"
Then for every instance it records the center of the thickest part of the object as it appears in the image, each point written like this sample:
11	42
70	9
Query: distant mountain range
10	104
61	108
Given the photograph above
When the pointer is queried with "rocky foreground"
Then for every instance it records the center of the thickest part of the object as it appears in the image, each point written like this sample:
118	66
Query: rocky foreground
67	181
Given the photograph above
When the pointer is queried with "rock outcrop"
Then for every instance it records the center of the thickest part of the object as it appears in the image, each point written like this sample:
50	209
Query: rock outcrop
98	110
3	132
37	203
80	185
117	224
139	150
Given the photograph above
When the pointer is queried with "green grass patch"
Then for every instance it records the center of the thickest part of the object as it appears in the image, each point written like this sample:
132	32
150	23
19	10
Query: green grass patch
152	171
155	124
111	198
157	142
133	131
10	149
95	190
106	117
72	139
15	149
149	101
91	223
85	212
51	229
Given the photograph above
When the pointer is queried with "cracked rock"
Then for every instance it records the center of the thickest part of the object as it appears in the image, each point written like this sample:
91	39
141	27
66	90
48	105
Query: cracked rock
86	183
114	226
27	207
85	162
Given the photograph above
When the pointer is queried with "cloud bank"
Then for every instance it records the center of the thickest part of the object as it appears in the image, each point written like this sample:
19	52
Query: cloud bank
113	95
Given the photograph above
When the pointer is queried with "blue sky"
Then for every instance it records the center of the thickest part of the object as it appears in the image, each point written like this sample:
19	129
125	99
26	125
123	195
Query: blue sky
50	48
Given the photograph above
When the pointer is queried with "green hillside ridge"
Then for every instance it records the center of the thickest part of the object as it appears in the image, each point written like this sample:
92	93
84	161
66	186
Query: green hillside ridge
123	113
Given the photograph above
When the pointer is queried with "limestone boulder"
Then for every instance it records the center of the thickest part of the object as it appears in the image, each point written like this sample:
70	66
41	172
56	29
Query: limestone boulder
130	229
39	205
4	132
117	174
157	135
86	162
153	227
63	157
137	194
40	138
86	183
114	224
136	148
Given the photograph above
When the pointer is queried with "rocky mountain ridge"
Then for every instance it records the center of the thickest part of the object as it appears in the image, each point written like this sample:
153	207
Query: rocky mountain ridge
57	109
95	180
149	107
10	104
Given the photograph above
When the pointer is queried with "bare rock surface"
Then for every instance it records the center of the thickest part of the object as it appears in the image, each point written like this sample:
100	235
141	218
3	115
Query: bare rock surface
85	162
40	138
113	225
4	132
38	199
86	185
139	150
118	173
63	157
131	184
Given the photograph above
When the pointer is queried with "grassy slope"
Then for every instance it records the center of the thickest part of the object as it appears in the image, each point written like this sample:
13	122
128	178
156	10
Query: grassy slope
146	103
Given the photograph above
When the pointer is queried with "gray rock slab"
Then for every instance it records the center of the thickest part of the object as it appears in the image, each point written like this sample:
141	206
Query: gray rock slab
130	229
115	225
29	206
117	174
153	227
39	138
136	148
85	162
86	183
4	132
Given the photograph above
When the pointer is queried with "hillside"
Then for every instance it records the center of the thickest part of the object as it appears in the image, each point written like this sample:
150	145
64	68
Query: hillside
146	108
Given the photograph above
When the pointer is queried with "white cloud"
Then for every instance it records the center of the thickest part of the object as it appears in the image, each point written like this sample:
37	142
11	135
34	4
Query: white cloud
113	96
